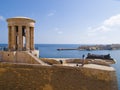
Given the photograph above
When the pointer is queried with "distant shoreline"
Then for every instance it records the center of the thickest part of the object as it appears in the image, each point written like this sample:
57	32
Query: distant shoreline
94	47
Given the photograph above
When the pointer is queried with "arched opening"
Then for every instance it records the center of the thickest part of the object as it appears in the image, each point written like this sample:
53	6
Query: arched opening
16	37
24	37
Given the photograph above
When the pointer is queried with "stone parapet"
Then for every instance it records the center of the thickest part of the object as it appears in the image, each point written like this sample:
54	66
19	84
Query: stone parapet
37	77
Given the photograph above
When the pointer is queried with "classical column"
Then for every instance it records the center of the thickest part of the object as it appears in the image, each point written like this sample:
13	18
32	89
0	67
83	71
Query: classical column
27	38
9	37
32	38
20	42
15	38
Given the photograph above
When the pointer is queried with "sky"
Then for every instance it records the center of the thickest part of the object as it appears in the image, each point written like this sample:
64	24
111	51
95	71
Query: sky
66	21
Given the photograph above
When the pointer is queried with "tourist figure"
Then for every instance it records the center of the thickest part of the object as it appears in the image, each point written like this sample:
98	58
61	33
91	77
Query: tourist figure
61	62
83	58
77	65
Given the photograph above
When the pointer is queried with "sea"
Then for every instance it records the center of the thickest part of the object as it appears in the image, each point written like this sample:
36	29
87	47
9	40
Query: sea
50	51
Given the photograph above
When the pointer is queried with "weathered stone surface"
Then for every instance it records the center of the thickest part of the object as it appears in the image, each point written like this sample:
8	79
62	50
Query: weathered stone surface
37	77
20	57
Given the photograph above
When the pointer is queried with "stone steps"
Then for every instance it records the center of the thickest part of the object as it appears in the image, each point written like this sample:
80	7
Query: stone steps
37	59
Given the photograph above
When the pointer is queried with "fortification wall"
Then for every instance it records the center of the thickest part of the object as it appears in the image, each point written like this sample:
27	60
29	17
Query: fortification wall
38	77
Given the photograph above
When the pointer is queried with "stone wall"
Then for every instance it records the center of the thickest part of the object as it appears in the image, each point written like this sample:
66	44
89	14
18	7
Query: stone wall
18	57
38	77
24	57
7	56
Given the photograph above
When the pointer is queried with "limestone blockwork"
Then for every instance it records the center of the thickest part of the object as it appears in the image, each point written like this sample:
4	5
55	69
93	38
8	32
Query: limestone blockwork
20	33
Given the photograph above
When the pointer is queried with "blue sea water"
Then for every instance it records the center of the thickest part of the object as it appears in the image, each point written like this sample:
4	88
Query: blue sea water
50	51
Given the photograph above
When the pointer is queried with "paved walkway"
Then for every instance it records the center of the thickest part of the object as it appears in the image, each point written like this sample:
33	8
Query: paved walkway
100	67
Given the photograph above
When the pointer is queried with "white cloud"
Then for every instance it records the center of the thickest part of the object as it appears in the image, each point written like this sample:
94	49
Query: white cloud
111	24
57	30
1	18
112	21
51	13
107	32
60	32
